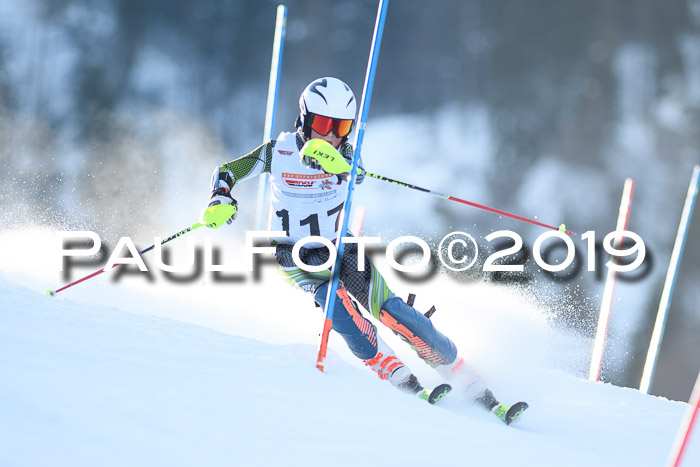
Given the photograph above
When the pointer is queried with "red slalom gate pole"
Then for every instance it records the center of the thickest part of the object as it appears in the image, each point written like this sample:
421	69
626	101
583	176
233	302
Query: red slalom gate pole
194	226
606	305
561	228
686	427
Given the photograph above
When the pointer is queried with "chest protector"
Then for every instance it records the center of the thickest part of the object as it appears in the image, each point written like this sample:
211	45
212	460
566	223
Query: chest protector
304	201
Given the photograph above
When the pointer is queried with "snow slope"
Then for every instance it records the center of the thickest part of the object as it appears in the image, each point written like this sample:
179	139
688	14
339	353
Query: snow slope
205	374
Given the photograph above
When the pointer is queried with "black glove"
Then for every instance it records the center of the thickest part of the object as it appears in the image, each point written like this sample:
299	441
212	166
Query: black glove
311	163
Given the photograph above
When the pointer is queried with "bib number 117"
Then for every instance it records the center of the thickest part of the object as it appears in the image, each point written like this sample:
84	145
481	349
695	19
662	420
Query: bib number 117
311	220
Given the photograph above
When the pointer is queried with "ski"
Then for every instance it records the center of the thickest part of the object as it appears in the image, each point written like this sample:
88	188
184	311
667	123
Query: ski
508	414
436	394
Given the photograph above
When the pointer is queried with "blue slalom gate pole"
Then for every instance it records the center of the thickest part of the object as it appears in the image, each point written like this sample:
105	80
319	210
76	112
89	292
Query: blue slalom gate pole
359	135
674	265
272	89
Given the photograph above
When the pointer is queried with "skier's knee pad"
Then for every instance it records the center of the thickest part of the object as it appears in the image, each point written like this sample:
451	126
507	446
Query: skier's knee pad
359	333
431	345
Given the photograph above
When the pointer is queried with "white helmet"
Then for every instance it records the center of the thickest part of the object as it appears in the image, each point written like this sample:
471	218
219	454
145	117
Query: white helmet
329	97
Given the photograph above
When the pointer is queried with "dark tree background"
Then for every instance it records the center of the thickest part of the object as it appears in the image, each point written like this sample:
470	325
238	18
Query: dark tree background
94	92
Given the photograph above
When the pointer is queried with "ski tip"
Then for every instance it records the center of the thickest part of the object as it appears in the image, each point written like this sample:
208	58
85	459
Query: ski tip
515	411
439	392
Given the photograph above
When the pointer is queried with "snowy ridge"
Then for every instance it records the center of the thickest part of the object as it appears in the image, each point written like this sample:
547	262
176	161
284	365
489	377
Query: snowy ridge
93	378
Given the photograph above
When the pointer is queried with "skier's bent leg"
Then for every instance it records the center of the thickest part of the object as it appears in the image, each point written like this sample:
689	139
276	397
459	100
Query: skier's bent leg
435	348
370	289
358	332
361	337
430	344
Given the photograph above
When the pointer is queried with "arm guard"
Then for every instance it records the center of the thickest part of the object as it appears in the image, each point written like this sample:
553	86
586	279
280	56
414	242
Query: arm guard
252	164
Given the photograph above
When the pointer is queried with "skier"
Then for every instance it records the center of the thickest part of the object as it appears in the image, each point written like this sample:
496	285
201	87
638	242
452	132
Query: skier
307	200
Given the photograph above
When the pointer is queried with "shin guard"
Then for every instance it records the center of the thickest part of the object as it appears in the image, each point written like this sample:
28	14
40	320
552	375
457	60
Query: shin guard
357	331
413	327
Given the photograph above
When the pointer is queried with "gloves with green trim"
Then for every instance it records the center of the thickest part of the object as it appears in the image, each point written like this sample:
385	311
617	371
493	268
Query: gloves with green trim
221	209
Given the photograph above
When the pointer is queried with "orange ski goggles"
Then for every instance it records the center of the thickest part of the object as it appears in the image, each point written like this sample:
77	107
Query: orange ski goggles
323	125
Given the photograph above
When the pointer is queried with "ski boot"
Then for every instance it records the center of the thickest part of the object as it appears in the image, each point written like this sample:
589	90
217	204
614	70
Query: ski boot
506	413
412	385
387	365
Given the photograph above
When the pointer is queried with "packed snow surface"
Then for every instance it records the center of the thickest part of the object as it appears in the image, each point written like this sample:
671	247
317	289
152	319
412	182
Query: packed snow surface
155	373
